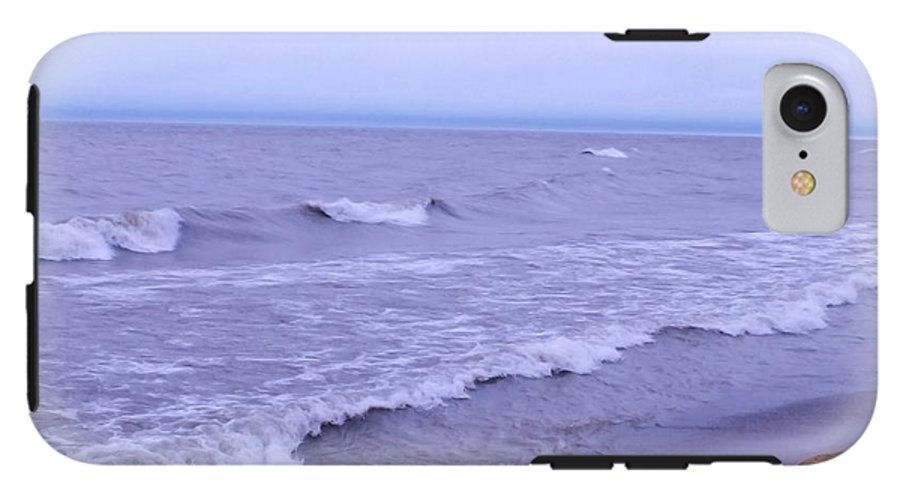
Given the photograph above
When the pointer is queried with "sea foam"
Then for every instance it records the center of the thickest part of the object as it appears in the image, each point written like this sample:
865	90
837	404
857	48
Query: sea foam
270	436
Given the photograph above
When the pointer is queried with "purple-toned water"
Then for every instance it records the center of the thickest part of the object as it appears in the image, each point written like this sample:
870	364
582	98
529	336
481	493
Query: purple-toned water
220	293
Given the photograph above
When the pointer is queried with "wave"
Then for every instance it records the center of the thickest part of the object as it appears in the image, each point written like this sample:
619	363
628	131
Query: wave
99	238
274	436
85	238
587	353
808	313
605	152
346	211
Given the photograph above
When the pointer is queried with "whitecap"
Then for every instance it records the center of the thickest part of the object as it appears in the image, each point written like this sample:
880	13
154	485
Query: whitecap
86	238
609	152
346	211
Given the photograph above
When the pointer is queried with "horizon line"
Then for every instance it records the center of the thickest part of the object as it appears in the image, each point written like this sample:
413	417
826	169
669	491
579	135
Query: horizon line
401	126
628	130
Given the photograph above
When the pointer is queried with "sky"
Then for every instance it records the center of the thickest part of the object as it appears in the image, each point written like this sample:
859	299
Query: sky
560	81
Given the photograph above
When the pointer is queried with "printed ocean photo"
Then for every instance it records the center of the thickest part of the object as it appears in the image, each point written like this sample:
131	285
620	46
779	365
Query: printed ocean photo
230	283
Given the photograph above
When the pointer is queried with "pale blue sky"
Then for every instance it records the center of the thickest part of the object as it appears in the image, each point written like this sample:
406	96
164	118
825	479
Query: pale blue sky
553	81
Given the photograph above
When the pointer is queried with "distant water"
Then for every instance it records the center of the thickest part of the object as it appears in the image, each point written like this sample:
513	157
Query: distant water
218	294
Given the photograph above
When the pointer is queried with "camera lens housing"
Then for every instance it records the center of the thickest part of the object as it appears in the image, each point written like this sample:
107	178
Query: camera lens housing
805	172
803	108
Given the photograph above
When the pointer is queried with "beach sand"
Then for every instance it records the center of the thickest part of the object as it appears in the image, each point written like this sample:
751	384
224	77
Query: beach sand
800	397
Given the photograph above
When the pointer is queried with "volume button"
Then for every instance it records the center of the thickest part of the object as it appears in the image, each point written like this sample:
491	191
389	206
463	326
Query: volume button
32	343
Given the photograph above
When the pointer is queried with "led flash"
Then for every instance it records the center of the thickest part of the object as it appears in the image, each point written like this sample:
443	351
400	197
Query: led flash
803	183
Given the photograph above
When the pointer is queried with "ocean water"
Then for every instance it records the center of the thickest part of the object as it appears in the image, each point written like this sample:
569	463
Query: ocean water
233	294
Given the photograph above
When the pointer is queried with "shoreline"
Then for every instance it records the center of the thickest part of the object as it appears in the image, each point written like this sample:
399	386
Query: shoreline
807	431
799	397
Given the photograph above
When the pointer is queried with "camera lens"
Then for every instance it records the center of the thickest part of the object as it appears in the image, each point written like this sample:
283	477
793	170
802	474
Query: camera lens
803	108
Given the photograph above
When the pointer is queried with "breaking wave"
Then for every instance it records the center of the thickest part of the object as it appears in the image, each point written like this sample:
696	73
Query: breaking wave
273	436
346	211
98	238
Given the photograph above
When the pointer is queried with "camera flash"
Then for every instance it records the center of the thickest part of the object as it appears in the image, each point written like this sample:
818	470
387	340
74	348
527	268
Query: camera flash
803	183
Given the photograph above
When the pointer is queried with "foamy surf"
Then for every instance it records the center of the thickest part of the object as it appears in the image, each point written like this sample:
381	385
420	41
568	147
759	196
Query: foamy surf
804	314
275	433
98	238
302	402
273	436
605	153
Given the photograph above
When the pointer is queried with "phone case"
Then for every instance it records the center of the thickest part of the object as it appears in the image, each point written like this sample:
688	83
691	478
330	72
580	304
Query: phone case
438	249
